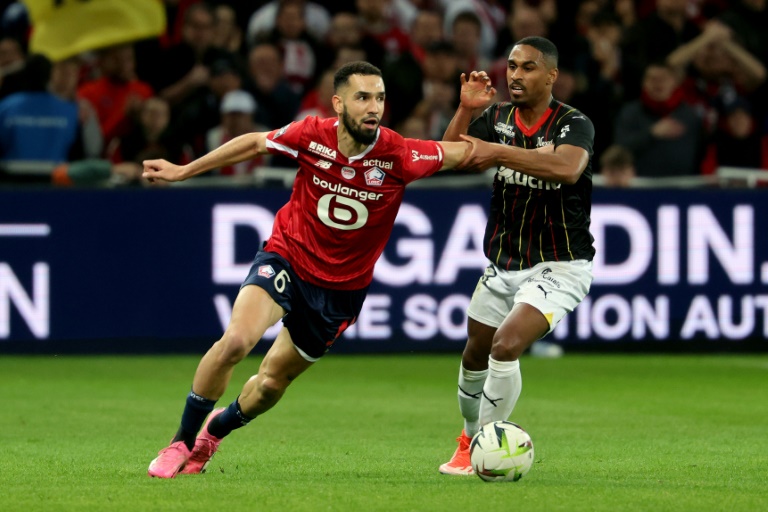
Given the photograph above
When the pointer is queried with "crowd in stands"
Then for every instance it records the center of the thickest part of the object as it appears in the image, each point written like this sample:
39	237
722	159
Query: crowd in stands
673	87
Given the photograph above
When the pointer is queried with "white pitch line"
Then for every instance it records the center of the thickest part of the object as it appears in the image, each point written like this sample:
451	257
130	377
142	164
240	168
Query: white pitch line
25	230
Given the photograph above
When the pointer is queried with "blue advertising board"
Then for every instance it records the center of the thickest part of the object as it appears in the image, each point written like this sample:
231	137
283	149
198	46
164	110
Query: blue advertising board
157	270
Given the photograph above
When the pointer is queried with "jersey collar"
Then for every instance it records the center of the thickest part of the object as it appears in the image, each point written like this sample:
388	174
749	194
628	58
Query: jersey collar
366	150
529	132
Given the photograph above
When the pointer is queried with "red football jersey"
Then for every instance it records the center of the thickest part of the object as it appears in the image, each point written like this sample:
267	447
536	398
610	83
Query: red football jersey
341	211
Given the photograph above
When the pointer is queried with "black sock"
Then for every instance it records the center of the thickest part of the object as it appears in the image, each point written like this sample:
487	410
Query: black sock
227	421
195	412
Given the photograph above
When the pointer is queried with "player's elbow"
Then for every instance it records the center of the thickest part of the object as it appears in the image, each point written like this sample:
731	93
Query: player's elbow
570	178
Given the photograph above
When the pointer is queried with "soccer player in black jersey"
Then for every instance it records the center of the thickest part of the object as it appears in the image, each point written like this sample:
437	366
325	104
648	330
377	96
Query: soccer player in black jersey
537	238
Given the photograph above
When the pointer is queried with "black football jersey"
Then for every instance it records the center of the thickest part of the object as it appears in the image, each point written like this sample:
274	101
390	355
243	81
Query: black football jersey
533	220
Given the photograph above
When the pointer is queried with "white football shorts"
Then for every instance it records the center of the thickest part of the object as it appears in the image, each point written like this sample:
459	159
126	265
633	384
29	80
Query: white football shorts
553	287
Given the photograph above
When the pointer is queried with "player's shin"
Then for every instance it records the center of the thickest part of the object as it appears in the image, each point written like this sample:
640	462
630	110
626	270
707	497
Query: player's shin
195	411
501	390
230	419
470	391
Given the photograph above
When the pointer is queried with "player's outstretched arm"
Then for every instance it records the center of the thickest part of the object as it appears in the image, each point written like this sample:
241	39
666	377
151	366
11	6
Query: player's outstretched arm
455	154
563	164
476	92
244	147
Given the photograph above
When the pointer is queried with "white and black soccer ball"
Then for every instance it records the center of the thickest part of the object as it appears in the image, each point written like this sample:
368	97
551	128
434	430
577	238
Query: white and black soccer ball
501	452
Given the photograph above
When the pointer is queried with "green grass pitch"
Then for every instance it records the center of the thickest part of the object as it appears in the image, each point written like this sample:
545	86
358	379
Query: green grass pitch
366	433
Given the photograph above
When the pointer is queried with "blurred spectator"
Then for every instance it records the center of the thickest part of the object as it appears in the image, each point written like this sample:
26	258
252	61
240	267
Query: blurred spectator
185	67
12	60
200	112
437	107
663	133
596	60
379	22
227	34
413	128
523	21
617	167
278	103
319	101
316	18
346	31
465	38
175	14
427	29
237	110
549	10
625	10
11	55
490	15
718	70
36	126
117	94
65	76
14	20
347	54
749	19
652	39
301	52
411	83
737	142
151	137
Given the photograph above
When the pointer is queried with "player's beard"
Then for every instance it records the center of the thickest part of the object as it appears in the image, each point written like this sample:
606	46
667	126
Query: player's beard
359	133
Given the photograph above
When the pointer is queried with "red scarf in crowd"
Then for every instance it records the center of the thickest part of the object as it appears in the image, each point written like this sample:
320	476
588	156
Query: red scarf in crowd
662	108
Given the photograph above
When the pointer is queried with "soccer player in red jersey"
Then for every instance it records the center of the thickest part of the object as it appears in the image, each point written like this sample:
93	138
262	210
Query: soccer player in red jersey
537	238
315	268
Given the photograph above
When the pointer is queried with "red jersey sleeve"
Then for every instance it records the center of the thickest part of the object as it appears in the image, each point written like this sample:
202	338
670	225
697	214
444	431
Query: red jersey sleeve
422	158
285	141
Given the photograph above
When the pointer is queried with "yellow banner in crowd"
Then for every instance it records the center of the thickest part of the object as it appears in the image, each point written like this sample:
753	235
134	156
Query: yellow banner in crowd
64	28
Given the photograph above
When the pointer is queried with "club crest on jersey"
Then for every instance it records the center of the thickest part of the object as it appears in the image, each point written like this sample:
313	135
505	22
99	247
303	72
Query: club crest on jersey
266	271
323	164
321	150
504	129
347	172
374	177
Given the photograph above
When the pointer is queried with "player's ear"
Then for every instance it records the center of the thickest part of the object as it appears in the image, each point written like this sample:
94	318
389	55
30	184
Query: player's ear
338	104
552	77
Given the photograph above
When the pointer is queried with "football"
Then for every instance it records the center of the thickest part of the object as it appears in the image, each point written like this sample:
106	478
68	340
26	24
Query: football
501	452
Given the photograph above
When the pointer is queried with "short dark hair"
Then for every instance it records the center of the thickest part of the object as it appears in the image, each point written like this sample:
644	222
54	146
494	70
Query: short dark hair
360	67
544	45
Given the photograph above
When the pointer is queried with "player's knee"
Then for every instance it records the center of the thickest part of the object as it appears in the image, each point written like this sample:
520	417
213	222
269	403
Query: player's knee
234	346
507	347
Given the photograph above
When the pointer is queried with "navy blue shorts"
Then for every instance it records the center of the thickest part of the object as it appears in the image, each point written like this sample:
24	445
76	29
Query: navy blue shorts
315	316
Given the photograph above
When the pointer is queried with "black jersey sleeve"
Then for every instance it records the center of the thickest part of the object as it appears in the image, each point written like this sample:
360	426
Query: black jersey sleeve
482	127
576	129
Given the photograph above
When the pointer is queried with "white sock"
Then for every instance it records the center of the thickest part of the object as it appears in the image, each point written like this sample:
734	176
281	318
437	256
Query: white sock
501	391
470	392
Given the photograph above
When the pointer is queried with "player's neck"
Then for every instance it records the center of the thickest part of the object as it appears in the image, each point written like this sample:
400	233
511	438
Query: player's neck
348	146
530	115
